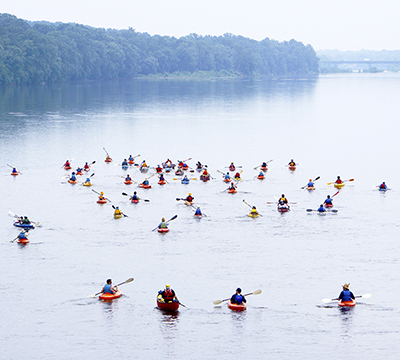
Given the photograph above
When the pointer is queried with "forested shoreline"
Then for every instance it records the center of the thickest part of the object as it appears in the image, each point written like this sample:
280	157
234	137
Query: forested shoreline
40	52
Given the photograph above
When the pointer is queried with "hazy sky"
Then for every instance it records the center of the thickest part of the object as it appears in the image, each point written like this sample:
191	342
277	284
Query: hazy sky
343	25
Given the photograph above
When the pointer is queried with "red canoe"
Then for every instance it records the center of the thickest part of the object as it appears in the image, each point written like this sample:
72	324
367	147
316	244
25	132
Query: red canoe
170	306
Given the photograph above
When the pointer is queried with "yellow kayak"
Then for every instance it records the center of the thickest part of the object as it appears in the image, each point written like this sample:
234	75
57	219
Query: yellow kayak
87	184
338	186
117	216
252	215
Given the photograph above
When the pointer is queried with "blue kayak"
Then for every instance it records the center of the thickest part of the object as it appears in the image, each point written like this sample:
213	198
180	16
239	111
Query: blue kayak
184	181
24	226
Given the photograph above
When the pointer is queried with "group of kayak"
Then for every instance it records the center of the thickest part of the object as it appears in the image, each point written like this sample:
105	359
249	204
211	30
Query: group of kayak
25	225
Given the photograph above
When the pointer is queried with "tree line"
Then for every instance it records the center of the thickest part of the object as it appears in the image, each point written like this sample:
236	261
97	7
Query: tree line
37	52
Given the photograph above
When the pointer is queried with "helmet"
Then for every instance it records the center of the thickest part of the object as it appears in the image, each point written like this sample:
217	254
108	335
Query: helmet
168	286
310	180
239	290
117	207
101	193
190	194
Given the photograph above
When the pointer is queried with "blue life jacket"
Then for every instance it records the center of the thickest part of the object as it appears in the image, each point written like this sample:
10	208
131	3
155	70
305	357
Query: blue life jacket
328	201
124	163
73	177
107	289
310	184
321	209
346	295
146	182
135	197
238	299
198	212
227	176
22	235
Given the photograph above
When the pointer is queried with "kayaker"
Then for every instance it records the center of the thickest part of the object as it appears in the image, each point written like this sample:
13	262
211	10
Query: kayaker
292	163
67	164
145	182
161	177
180	164
73	177
125	163
87	180
189	198
328	200
159	169
238	298
232	187
261	173
79	171
117	211
227	176
168	294
163	224
232	167
346	294
198	211
108	288
283	199
14	170
86	167
108	158
101	197
282	204
338	180
254	211
185	179
205	172
264	165
128	178
23	235
383	186
237	175
143	164
199	165
134	196
26	220
131	158
321	208
310	183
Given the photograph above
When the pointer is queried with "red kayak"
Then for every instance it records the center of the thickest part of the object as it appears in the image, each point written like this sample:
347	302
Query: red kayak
135	201
283	208
264	168
170	306
328	205
22	241
232	191
261	177
67	167
128	182
108	160
198	216
14	173
347	303
104	201
292	167
143	186
236	307
162	230
232	168
162	182
204	177
108	297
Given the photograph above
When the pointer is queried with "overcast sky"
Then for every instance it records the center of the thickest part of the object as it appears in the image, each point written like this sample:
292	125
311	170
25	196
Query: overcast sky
343	25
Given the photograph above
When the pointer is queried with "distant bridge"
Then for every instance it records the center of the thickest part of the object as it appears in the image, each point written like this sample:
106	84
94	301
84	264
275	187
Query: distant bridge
363	62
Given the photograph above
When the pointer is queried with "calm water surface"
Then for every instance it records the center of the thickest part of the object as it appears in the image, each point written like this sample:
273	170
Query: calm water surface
343	125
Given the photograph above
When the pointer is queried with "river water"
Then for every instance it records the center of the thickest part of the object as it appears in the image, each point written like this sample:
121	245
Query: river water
333	125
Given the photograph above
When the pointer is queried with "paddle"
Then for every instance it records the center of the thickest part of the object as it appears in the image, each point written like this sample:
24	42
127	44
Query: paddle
259	174
249	206
317	178
217	302
173	218
90	177
182	179
12	167
260	165
12	214
343	181
358	296
331	210
125	282
121	211
145	200
100	194
106	152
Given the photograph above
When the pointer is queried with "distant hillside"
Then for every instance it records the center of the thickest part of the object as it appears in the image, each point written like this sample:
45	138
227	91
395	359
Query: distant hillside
36	52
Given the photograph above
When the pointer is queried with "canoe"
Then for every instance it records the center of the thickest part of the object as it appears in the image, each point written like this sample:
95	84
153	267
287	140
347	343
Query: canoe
236	307
143	186
72	181
261	177
135	201
162	182
328	205
23	226
109	297
144	169
204	177
117	216
339	186
87	184
253	215
170	306
292	167
128	182
184	181
162	230
104	201
227	180
108	160
22	241
14	173
310	188
67	167
347	303
283	209
232	191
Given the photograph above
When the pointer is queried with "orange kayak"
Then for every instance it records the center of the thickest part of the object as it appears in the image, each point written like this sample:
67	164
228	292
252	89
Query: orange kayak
347	303
232	191
128	182
292	167
104	201
145	186
236	307
108	297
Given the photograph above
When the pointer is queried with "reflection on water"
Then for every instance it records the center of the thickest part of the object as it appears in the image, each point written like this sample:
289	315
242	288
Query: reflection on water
109	307
168	322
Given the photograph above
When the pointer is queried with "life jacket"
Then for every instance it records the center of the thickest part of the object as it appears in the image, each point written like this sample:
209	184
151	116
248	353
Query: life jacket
22	235
135	197
382	186
238	299
163	225
117	212
227	176
181	164
338	181
292	163
101	197
86	167
254	211
284	200
346	295
198	212
67	164
73	177
328	201
124	163
146	182
321	209
310	184
205	173
190	198
168	295
107	289
128	178
131	158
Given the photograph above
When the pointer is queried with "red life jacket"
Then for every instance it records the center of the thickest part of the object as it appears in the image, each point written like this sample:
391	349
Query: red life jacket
168	295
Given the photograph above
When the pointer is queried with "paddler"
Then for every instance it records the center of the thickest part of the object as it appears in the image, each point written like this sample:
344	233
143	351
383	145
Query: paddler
124	163
383	186
143	164
232	167
23	235
328	201
159	169
254	211
199	165
14	170
79	171
128	178
134	196
67	164
232	186
189	198
108	288
117	211
310	183
338	180
101	197
146	182
26	220
161	177
321	208
73	176
167	295
198	211
264	165
185	179
87	181
163	224
283	199
346	294
261	174
86	167
292	163
227	176
205	172
108	159
237	176
238	298
131	158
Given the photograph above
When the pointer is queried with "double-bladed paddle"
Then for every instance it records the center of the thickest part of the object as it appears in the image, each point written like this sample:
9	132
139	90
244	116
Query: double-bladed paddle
217	302
125	282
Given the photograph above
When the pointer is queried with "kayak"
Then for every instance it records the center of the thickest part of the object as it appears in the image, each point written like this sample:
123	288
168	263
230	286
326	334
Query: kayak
128	182
261	177
86	168
264	168
162	182
104	201
23	226
108	160
168	168
380	189
238	178
67	167
184	181
79	173
22	241
72	181
338	186
283	208
198	216
188	203
178	172
199	168
204	177
232	191
310	188
253	215
87	184
236	307
143	186
14	173
292	167
328	205
135	201
232	168
227	180
144	169
162	230
131	162
108	297
170	306
117	216
347	303
185	168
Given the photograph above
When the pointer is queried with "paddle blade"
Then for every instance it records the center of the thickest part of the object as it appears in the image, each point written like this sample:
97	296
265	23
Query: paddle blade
217	302
257	292
351	180
173	218
334	210
366	296
309	210
125	194
329	183
327	300
128	281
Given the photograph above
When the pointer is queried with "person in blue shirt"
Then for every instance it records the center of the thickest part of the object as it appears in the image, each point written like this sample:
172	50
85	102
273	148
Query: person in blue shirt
145	182
238	298
128	178
124	163
131	158
328	200
108	288
321	208
79	170
23	235
227	176
346	294
383	186
185	179
310	183
198	211
73	177
134	196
